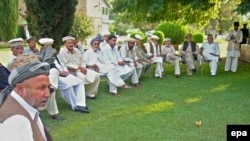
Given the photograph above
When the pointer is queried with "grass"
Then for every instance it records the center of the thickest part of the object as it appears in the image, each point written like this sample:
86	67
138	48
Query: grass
163	109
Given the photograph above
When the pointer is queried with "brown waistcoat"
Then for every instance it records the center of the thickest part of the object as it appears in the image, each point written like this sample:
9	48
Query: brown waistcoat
11	107
231	42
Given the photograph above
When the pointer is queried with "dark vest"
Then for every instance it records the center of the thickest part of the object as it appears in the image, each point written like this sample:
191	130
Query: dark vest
193	46
4	75
11	107
156	47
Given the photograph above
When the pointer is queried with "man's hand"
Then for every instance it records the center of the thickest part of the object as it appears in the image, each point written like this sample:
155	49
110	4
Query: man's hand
149	61
64	73
121	63
83	70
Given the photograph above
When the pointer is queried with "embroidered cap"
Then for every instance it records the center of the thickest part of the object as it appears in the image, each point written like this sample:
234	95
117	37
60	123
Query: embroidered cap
16	42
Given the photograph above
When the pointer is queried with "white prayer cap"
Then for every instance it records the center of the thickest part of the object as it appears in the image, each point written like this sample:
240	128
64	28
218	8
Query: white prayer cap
154	37
46	41
16	42
106	33
130	40
139	37
167	39
68	38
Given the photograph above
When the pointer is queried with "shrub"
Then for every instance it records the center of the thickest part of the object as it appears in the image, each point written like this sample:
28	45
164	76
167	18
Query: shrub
198	37
174	31
161	35
4	45
20	32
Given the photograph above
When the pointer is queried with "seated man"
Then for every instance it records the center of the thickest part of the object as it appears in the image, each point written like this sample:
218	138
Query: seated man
142	55
20	103
71	87
128	54
169	55
210	51
4	75
154	51
16	49
92	59
189	52
110	55
31	46
73	60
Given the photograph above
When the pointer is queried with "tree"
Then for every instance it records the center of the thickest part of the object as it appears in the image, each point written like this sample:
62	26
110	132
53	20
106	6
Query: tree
243	7
181	11
9	19
50	18
82	26
226	16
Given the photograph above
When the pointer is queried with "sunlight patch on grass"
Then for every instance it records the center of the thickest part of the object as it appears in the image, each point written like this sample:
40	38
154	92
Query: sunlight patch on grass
161	106
193	100
220	88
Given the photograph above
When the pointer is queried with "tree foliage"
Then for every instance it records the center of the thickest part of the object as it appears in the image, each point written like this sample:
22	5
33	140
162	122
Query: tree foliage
82	26
9	19
50	18
226	16
179	11
243	7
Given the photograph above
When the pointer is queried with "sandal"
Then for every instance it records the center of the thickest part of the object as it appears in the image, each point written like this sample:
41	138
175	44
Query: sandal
116	94
137	85
125	86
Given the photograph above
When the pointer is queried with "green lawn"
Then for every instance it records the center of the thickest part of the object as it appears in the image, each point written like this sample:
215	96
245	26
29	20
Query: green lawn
162	110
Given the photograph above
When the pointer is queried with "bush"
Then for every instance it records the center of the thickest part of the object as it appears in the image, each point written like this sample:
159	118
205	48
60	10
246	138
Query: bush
20	32
4	45
198	37
174	31
161	35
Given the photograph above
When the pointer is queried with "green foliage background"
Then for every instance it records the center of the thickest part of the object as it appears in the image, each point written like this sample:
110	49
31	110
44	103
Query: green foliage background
8	19
144	40
161	35
198	37
50	18
174	31
82	26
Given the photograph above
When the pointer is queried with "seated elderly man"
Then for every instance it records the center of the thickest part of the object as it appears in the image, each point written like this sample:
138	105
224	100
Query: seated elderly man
16	49
128	54
169	55
210	51
20	103
4	75
154	51
189	52
93	61
73	60
142	55
31	46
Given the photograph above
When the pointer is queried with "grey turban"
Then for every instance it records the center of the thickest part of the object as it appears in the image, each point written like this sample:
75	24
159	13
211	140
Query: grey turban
23	73
97	38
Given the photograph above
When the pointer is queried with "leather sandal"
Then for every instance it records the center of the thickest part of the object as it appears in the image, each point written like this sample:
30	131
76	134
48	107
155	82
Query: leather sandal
137	85
125	86
116	94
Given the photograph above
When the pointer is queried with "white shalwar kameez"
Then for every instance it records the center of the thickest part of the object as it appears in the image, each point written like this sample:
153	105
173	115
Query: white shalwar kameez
71	87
